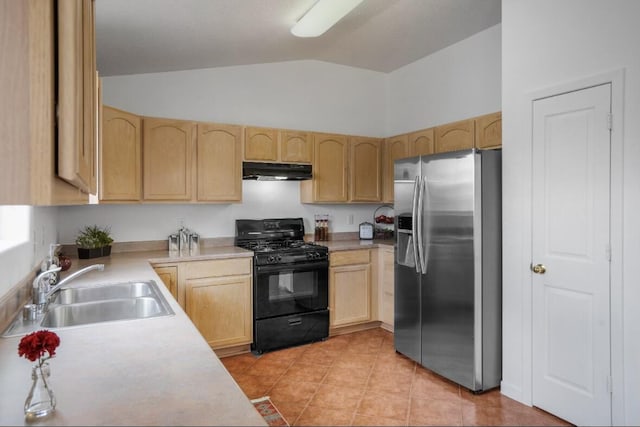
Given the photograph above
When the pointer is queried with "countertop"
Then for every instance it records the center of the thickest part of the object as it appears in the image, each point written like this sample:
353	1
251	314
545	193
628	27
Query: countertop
156	371
345	245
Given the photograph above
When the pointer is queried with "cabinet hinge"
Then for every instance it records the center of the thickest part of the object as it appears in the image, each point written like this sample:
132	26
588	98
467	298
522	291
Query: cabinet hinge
607	252
610	121
609	385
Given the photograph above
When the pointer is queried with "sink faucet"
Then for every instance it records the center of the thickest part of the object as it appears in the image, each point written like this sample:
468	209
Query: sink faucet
41	286
47	296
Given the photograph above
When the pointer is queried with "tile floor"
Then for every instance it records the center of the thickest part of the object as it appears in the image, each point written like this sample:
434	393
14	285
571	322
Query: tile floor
359	380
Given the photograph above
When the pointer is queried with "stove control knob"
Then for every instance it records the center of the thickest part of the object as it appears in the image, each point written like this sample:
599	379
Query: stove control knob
316	255
279	258
271	259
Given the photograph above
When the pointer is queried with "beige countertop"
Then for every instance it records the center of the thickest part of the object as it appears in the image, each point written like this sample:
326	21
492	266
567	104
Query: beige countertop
155	371
345	245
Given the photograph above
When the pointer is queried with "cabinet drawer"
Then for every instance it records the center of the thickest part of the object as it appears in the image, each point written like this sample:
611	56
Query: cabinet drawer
218	268
360	256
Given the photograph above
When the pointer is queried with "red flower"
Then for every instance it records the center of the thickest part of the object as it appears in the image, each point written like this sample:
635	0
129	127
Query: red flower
33	346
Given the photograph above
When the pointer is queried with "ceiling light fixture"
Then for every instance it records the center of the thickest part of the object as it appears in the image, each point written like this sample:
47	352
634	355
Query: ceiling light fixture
322	16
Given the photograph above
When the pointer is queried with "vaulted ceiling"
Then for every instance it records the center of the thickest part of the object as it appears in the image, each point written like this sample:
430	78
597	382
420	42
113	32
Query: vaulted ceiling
144	36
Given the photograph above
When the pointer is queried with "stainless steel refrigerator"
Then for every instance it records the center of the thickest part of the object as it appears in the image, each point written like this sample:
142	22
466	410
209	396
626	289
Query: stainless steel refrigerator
448	288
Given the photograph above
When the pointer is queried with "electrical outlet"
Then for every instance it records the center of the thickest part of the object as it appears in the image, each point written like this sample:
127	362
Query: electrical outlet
350	219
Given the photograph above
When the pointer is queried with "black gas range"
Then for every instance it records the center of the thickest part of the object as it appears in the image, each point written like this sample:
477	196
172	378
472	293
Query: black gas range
290	283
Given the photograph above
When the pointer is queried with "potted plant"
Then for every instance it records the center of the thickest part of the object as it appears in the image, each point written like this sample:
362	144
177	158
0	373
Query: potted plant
93	241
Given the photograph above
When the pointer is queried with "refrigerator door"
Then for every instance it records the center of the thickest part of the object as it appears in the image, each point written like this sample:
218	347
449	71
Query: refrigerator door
407	279
448	291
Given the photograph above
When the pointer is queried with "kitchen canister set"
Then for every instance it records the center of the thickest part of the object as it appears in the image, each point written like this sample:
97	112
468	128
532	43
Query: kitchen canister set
184	242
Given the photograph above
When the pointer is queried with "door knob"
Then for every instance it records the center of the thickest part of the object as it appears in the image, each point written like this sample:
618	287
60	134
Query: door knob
538	269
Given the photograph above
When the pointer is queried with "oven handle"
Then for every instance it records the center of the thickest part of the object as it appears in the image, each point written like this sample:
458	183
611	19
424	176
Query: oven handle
307	266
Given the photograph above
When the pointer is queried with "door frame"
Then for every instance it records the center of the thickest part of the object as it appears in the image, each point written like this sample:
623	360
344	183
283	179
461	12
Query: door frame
616	79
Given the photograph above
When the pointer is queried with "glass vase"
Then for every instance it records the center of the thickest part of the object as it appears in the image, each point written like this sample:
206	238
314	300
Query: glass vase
40	401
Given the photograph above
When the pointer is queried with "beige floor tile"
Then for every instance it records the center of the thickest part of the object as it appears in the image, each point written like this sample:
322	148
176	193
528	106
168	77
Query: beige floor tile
336	397
292	392
347	377
384	405
316	416
304	371
365	420
427	412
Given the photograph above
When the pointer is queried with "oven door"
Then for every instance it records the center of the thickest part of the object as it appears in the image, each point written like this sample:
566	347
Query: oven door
290	288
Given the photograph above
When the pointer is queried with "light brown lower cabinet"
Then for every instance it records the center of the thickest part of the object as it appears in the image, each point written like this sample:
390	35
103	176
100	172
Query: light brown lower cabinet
349	287
386	296
168	273
217	297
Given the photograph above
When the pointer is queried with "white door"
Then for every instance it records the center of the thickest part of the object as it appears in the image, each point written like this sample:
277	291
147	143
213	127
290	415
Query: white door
570	226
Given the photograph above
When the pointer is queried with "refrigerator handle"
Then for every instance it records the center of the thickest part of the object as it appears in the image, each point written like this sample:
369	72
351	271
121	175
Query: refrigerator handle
414	222
420	226
424	229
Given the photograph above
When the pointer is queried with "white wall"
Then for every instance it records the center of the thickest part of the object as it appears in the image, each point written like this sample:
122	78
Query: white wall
30	247
547	43
461	81
306	95
261	199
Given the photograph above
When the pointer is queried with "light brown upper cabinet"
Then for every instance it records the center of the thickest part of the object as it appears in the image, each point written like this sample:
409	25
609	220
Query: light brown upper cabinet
277	145
295	146
395	148
120	156
489	130
261	144
365	169
422	142
77	93
28	67
455	136
168	164
330	178
219	162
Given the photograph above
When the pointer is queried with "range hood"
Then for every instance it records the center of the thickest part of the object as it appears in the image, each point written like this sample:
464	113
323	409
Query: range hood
275	171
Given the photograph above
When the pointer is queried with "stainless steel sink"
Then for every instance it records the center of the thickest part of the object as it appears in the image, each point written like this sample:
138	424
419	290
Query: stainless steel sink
96	304
65	315
104	292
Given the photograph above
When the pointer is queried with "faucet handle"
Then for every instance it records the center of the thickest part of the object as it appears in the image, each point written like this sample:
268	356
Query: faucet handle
39	291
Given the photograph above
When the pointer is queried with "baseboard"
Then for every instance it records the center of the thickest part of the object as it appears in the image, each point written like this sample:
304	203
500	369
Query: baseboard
341	330
512	392
232	351
386	327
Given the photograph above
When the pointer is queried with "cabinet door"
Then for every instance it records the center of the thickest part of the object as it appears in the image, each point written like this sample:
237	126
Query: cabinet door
489	130
330	168
219	164
295	147
169	276
387	288
167	153
120	156
349	294
261	144
396	147
365	169
455	136
220	307
77	94
422	142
